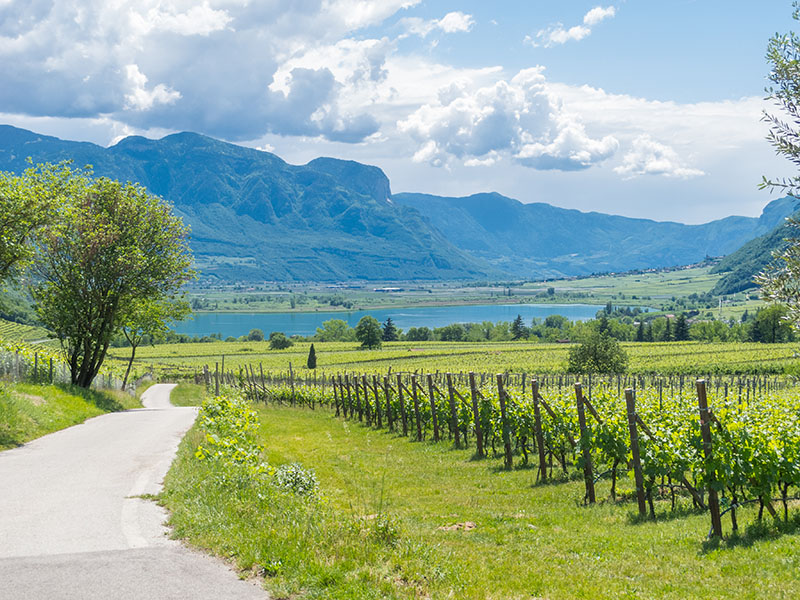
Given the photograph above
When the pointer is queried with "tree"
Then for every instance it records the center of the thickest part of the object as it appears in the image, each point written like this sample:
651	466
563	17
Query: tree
770	325
311	362
780	282
368	332
640	331
335	330
667	335
255	335
518	329
279	341
150	318
111	247
27	203
599	353
681	333
419	334
454	332
389	331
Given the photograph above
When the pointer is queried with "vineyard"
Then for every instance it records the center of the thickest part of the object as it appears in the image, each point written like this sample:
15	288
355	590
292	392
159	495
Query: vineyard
734	358
16	332
711	445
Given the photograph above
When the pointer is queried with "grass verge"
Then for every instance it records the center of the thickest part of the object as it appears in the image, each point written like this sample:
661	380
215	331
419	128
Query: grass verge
188	394
28	411
409	520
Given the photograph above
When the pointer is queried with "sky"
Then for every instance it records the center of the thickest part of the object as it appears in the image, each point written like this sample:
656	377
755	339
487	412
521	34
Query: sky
644	108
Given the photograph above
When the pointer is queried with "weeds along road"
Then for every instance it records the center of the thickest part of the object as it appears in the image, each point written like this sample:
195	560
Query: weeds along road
72	526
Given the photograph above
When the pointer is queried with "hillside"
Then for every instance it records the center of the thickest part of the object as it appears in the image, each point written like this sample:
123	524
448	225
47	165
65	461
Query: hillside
256	217
538	237
741	266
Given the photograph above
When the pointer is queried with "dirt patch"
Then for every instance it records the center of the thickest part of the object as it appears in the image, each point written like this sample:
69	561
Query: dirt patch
465	526
35	400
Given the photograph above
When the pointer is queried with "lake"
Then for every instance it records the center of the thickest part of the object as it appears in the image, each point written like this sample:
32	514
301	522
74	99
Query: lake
237	324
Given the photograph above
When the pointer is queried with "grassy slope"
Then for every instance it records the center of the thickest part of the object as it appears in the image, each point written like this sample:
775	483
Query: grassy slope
28	411
529	540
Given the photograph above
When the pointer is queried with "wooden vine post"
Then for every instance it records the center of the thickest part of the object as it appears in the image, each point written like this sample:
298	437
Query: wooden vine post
335	395
432	399
537	425
630	402
501	393
349	397
401	401
588	473
387	394
473	387
216	379
377	401
705	429
453	414
415	398
367	405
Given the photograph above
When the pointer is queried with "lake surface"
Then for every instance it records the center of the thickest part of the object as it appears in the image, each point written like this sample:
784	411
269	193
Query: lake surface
237	324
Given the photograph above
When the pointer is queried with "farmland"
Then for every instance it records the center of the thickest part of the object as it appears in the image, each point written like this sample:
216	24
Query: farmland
517	357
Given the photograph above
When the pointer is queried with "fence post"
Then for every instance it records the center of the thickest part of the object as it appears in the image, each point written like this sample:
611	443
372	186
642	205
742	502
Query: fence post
501	393
705	429
588	474
433	408
359	408
377	400
367	406
387	394
216	379
630	402
537	425
401	401
416	406
453	414
476	414
335	394
51	370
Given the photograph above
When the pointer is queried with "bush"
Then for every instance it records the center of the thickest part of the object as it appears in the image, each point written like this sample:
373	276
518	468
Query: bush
279	341
599	353
296	479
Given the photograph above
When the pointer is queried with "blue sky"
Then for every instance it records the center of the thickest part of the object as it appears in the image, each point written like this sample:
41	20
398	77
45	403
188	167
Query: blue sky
645	108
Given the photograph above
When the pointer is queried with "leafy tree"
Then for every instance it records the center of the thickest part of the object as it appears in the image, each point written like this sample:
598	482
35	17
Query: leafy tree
599	353
149	318
780	282
368	332
335	330
389	331
454	332
279	341
111	247
681	333
255	335
771	325
311	362
27	203
419	334
518	329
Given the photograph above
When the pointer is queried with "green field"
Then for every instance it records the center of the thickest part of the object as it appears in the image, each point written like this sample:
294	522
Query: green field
16	332
391	525
532	358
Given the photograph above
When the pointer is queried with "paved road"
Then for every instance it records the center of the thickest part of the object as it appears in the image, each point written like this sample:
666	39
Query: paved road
71	526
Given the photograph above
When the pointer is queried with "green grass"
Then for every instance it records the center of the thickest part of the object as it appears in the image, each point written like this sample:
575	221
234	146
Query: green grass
188	394
28	411
377	533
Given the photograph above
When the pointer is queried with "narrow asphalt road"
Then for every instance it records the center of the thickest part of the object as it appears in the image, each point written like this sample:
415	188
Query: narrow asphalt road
72	526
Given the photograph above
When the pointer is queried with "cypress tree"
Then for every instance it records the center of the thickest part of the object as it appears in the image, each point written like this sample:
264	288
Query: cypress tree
640	332
389	331
311	363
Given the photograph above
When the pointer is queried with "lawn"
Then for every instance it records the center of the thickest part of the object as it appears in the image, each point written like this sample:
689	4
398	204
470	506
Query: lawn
393	518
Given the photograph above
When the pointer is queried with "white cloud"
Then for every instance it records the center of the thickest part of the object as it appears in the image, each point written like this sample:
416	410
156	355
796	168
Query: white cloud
140	98
558	34
452	22
197	20
518	118
649	157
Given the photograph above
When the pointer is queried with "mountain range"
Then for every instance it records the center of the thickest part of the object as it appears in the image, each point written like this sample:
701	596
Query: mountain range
255	217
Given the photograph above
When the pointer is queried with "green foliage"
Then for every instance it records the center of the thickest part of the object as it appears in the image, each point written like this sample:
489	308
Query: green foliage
450	333
279	341
27	203
368	332
297	480
311	361
598	353
518	329
771	325
681	333
112	248
335	330
390	333
255	335
419	334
